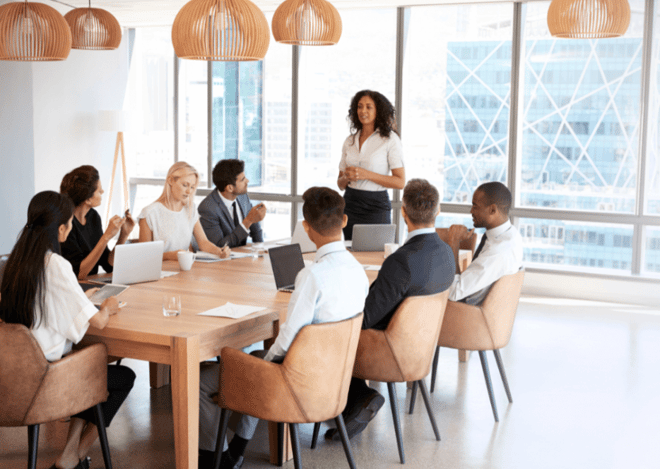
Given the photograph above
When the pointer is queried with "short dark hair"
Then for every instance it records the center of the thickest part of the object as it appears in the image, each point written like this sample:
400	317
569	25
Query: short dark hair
421	199
323	210
80	184
225	173
498	194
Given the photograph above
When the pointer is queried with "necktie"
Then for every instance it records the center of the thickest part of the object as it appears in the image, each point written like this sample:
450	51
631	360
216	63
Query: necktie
480	247
236	222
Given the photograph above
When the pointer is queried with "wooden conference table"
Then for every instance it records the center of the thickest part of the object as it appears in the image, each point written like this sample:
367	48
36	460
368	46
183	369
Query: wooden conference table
140	330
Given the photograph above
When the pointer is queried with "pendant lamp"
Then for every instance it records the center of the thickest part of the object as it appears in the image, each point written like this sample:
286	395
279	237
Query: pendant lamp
588	19
93	29
222	30
33	32
307	23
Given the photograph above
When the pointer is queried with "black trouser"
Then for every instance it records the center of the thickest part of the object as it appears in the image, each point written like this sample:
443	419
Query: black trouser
120	383
366	208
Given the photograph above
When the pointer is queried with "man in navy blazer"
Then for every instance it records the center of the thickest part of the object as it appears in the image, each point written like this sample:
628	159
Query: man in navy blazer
226	214
424	265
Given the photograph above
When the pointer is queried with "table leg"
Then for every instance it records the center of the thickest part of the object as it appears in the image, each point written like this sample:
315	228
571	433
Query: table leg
185	399
463	355
287	451
159	375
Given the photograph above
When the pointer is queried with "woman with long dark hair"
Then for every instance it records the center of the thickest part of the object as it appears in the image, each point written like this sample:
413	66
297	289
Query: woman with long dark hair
86	248
40	291
369	155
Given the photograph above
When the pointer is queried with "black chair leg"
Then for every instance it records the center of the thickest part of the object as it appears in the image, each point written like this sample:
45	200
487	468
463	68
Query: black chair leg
103	437
427	403
315	435
500	366
434	367
33	445
489	384
222	434
295	445
397	424
339	420
280	444
413	396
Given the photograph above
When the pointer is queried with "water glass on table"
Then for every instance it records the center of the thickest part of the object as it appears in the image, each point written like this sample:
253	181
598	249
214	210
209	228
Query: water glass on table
171	305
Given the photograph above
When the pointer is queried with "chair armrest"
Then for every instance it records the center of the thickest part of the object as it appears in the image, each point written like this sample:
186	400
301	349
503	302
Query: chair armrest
464	327
256	387
71	385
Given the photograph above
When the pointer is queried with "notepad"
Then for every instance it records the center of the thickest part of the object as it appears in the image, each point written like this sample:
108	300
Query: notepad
230	310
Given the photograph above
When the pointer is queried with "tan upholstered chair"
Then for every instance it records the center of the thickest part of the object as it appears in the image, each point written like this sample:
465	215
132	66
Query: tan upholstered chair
467	244
35	391
403	351
482	328
310	385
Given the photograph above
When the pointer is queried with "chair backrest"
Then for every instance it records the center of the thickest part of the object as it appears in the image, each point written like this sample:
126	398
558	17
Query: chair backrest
23	367
500	307
404	351
468	244
319	364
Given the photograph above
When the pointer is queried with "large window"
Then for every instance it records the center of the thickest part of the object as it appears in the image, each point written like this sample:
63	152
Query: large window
652	205
457	82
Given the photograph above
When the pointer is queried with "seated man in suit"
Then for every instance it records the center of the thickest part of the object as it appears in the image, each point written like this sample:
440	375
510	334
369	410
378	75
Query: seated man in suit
500	250
332	289
226	214
424	265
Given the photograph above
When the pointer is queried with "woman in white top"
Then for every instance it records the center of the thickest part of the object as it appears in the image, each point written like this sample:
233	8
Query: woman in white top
369	154
40	291
173	217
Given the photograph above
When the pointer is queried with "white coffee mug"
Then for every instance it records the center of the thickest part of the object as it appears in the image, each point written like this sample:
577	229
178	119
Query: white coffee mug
390	248
186	259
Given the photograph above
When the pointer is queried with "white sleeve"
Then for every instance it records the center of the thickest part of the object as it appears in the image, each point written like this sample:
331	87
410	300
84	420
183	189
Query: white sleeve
395	152
300	314
69	309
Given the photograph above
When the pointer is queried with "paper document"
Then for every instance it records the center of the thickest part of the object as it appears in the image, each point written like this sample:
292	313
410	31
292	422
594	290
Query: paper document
167	273
232	311
371	267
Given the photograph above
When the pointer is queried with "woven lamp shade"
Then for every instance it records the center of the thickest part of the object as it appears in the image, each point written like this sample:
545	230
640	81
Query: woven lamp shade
33	32
93	29
307	23
588	19
222	30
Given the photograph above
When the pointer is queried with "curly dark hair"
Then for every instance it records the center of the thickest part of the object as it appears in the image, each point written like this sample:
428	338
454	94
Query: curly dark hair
80	184
385	114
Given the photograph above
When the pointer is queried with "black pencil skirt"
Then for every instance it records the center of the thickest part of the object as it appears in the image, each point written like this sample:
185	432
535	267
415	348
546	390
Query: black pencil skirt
366	208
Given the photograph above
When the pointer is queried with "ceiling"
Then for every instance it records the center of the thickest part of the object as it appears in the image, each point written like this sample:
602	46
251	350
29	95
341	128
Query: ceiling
131	13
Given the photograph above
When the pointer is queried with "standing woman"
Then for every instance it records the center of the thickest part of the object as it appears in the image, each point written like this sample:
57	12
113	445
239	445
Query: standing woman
369	154
173	217
86	248
40	291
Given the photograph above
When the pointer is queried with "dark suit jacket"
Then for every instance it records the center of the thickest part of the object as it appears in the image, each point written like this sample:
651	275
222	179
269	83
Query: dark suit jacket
422	266
218	222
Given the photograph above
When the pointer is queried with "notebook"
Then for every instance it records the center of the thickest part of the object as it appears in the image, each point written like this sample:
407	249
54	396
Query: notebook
372	237
136	263
286	262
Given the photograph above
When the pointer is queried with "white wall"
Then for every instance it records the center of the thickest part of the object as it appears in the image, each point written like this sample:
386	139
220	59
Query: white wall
48	126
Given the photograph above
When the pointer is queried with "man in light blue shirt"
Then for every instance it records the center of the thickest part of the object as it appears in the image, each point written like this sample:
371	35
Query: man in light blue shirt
332	289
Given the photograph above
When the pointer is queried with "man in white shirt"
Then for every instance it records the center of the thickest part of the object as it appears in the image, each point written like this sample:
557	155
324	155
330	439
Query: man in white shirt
226	214
332	289
500	251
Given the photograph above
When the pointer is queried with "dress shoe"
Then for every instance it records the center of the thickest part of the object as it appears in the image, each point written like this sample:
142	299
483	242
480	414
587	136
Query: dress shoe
227	462
358	416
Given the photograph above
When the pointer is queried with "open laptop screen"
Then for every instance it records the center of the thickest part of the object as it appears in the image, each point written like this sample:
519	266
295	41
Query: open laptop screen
286	262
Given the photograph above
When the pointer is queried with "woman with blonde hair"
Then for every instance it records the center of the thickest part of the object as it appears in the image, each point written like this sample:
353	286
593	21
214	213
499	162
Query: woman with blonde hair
173	217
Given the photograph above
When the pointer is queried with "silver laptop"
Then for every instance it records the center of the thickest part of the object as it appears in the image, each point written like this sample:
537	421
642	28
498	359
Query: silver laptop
300	237
372	237
136	263
286	262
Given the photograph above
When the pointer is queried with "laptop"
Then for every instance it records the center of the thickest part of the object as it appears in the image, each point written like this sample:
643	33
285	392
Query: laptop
300	237
136	263
286	262
372	237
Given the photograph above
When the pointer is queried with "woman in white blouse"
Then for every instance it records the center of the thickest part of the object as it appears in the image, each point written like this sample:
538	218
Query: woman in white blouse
369	155
40	291
173	217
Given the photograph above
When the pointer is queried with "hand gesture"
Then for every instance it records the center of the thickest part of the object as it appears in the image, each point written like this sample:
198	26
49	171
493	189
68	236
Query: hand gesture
114	226
353	173
129	224
225	252
111	305
257	214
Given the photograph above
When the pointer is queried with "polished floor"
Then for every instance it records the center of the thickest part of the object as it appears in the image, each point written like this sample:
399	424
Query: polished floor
585	379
